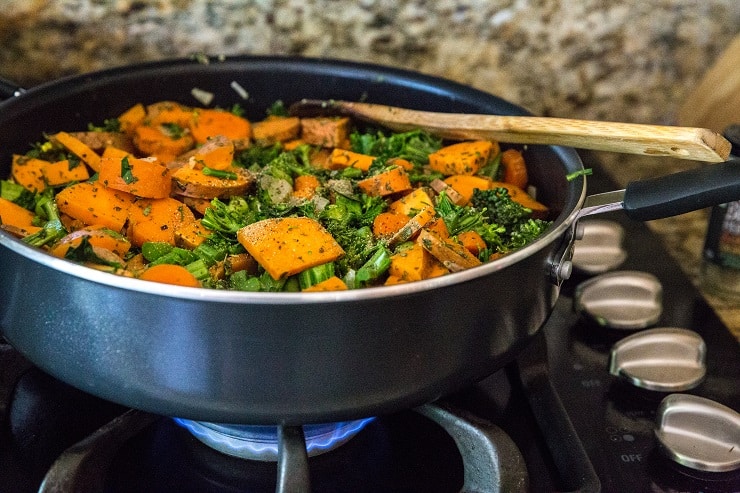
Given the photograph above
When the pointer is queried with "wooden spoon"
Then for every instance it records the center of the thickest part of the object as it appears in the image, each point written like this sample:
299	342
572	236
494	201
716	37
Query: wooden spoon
698	144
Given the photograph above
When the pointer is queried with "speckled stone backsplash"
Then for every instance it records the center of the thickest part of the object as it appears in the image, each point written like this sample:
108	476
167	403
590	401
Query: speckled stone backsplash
601	59
630	60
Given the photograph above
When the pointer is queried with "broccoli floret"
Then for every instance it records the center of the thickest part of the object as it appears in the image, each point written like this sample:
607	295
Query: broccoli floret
348	221
228	218
414	146
508	225
458	218
498	207
52	229
526	232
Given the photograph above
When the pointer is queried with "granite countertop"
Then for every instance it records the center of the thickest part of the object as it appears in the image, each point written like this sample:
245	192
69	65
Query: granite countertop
629	60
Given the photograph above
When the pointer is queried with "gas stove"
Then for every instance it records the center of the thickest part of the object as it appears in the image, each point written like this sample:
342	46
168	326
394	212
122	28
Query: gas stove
573	412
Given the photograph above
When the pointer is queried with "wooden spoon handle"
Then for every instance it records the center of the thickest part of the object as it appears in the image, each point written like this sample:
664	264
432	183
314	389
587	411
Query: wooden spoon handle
697	144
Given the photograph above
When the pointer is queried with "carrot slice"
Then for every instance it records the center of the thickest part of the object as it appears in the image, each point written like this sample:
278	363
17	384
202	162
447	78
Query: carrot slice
61	173
79	149
28	172
208	123
515	169
287	246
472	241
386	224
170	274
141	177
305	186
331	284
157	220
463	158
92	203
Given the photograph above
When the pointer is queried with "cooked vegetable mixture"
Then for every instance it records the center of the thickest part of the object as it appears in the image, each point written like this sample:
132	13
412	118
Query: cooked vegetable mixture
204	197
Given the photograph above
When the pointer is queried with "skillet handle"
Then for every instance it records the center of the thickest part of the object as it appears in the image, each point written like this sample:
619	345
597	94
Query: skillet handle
9	90
683	192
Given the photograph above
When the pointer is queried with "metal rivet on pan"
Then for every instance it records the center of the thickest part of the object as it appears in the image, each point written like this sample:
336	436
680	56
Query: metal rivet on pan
621	300
665	359
698	433
599	249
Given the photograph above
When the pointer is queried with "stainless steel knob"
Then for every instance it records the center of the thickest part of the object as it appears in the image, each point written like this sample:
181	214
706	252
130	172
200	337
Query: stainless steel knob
599	247
662	359
698	433
621	299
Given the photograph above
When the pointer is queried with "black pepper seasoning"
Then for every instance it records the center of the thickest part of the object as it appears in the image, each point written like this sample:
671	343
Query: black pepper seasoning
721	263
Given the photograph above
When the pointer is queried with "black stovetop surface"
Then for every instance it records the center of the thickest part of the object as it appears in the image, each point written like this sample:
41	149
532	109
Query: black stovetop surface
40	416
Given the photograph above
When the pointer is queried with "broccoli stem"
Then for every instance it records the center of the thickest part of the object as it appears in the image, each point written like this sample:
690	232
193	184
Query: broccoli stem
53	229
315	275
376	266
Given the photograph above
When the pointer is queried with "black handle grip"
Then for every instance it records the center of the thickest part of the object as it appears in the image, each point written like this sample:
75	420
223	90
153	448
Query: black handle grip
683	192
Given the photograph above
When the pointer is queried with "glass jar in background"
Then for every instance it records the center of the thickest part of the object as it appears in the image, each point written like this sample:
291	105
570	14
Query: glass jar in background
720	272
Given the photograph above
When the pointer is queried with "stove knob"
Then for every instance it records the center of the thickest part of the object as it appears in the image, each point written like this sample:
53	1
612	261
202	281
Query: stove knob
621	299
599	246
698	433
664	359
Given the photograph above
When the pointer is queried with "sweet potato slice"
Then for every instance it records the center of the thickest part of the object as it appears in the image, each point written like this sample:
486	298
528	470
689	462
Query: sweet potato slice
147	177
463	158
191	182
341	158
326	132
287	246
411	264
276	129
98	141
28	172
92	203
452	255
157	220
192	234
12	214
216	153
208	123
79	149
411	204
465	184
155	141
63	172
98	236
388	182
132	118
